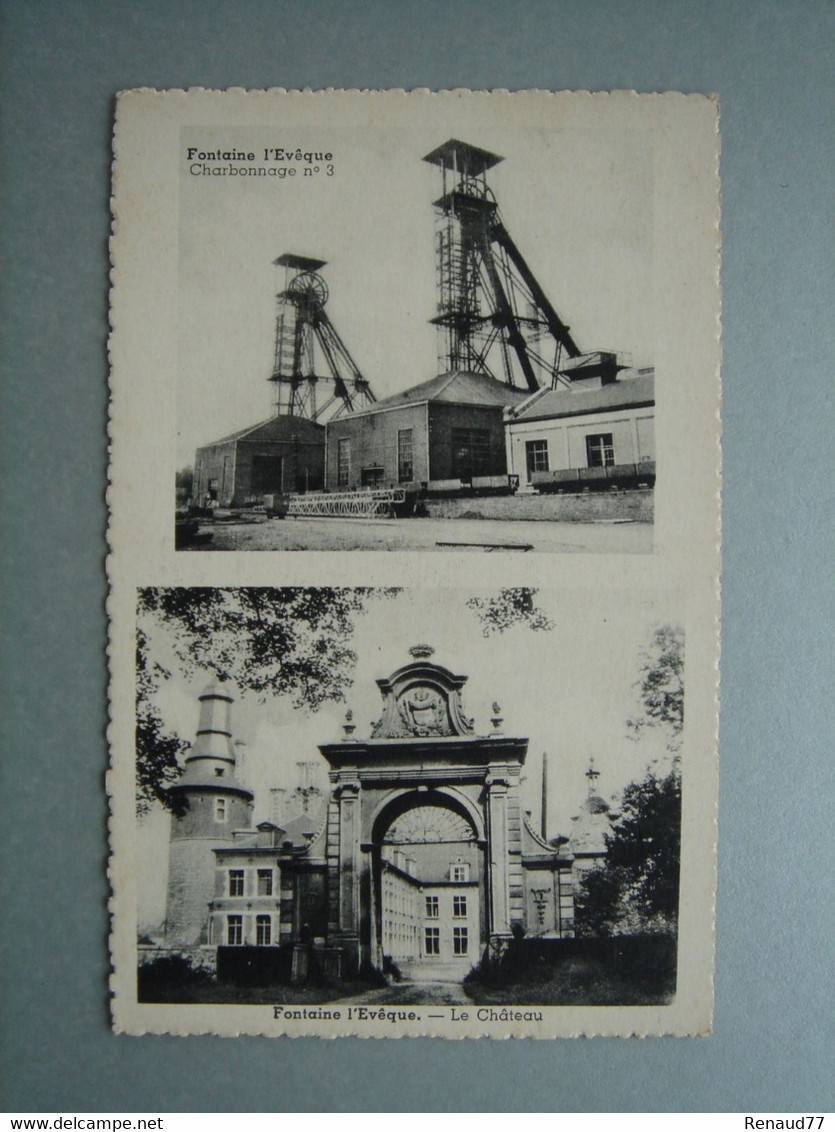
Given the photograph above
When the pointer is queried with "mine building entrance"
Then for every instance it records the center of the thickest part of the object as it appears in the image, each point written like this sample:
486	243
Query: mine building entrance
428	888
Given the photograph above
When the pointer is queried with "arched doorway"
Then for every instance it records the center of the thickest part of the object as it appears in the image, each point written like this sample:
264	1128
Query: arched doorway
429	885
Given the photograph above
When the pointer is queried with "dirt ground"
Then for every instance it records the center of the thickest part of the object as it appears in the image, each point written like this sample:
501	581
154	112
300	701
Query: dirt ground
456	535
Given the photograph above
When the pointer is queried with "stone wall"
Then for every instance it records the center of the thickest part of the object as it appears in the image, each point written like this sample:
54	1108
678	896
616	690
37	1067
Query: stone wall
589	507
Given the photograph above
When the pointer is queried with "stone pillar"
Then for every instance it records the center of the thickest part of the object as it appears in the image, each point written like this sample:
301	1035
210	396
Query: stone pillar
497	856
348	794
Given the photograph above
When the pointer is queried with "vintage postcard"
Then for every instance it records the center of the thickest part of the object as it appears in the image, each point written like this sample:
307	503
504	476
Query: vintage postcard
465	793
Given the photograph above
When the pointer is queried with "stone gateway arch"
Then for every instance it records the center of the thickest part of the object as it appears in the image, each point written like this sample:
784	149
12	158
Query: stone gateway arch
431	860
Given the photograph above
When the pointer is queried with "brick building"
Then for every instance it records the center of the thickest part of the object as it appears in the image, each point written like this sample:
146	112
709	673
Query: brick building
449	428
279	455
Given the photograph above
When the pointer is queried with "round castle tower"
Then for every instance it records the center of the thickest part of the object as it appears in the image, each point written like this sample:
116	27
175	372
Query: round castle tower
210	805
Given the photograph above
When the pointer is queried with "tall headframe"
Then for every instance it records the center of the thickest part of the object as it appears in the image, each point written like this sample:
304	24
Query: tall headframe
493	315
304	338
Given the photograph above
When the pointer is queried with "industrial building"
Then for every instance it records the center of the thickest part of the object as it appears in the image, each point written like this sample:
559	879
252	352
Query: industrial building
447	430
591	434
279	455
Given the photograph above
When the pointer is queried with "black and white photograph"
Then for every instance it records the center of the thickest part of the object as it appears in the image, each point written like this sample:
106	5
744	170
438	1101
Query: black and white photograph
326	815
417	342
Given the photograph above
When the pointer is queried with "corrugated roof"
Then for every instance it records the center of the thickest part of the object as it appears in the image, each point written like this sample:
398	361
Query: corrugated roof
459	388
629	393
276	428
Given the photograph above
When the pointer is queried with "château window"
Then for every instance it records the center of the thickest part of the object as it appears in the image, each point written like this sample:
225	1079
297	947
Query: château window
265	882
263	931
600	450
234	931
459	906
343	462
432	907
432	940
220	809
460	941
236	882
459	873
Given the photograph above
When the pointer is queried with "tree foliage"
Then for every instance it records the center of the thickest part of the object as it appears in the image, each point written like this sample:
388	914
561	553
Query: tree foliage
513	606
661	685
637	887
293	642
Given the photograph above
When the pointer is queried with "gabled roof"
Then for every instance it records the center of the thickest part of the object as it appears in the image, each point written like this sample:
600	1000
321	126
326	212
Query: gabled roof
457	388
546	404
274	429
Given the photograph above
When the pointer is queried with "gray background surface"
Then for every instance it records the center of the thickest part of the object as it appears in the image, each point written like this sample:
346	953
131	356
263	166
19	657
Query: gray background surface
770	62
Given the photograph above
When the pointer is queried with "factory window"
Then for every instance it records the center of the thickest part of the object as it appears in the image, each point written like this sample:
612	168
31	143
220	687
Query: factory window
405	465
432	939
265	882
432	907
263	931
459	906
236	882
600	450
343	462
370	477
470	453
459	873
460	941
234	930
536	455
220	809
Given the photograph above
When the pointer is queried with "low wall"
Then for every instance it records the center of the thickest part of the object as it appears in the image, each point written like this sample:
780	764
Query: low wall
588	507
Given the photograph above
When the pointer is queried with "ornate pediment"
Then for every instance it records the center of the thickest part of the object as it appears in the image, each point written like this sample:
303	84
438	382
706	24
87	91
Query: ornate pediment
422	700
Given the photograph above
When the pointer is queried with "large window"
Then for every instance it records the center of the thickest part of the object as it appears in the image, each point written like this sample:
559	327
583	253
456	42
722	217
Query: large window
236	882
432	907
234	930
459	907
536	456
265	882
600	450
432	940
343	462
460	941
405	463
263	931
470	453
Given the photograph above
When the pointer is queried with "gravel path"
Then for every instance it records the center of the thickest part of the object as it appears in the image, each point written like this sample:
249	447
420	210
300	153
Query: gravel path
412	994
459	535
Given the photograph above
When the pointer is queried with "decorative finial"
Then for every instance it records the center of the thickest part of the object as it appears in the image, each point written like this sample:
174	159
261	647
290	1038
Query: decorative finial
496	718
592	775
349	727
421	652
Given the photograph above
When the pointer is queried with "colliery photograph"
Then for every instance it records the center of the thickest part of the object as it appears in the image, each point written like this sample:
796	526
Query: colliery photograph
374	823
354	375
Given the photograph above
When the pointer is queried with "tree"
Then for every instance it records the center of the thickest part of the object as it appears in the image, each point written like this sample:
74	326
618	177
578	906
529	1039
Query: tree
637	887
661	686
291	641
513	606
184	483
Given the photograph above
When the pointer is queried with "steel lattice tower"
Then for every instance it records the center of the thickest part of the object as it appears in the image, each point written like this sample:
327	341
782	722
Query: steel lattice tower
304	337
493	316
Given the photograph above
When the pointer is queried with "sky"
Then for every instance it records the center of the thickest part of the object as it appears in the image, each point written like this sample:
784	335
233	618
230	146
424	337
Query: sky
578	204
569	691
